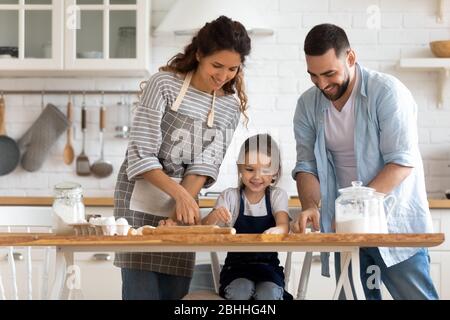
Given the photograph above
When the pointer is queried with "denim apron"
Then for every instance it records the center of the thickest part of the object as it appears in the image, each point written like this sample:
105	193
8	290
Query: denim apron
255	266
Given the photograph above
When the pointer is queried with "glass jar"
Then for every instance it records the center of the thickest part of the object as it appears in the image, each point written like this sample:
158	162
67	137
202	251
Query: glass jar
123	118
68	207
126	48
355	208
362	210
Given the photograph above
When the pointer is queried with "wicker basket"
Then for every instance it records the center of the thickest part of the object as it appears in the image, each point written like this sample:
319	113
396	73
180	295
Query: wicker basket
441	49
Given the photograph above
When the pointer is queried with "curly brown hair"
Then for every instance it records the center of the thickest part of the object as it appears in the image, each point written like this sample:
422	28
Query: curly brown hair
217	35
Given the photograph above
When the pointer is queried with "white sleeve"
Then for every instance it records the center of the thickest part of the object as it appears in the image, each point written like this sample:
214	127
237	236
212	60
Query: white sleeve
229	198
279	199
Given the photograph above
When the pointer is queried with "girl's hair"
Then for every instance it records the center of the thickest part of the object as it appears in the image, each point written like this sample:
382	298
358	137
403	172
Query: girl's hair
217	35
261	144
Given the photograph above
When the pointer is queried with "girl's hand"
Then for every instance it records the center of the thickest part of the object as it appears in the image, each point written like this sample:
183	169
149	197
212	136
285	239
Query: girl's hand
187	210
275	230
219	215
167	222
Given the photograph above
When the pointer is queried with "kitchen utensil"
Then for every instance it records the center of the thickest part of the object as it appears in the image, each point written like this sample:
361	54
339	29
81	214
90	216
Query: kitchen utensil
200	229
9	150
68	149
361	210
126	46
83	165
102	168
123	119
447	193
440	49
37	142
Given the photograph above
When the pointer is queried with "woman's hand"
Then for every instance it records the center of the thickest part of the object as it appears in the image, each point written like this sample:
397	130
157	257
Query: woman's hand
219	215
186	208
167	222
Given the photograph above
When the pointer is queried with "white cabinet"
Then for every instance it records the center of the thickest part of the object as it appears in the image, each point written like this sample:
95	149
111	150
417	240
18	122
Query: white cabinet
37	262
440	255
73	37
107	35
99	278
31	35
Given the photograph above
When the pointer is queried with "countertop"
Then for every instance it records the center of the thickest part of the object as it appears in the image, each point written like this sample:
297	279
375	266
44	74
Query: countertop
228	241
204	202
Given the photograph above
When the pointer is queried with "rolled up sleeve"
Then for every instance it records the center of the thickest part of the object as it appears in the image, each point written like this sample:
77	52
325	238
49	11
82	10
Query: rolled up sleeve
145	135
305	138
397	116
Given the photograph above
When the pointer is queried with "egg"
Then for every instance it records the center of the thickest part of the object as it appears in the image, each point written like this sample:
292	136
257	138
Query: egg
121	222
108	221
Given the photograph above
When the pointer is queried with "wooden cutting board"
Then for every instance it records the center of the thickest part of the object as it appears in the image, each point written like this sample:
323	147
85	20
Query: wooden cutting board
188	230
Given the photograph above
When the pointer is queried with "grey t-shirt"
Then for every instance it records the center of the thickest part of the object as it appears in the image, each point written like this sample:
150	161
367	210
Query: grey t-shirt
229	199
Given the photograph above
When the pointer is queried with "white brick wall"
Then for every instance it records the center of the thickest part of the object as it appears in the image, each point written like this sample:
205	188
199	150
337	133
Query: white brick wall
276	76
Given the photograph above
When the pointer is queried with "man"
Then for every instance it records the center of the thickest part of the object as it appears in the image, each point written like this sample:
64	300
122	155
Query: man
360	125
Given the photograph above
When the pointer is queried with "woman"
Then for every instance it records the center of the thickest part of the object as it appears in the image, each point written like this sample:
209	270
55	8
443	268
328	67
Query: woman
179	136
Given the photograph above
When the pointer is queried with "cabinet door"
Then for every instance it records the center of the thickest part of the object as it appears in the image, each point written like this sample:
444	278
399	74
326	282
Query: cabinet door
107	35
99	278
31	34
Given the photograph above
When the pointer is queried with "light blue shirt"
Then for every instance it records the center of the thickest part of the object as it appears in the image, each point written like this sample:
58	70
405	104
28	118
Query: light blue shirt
385	132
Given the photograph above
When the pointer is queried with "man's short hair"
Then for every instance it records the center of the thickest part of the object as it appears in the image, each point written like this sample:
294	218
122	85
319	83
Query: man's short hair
324	37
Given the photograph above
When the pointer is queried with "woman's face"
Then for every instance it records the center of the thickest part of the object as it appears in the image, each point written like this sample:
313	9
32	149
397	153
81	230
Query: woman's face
256	173
215	70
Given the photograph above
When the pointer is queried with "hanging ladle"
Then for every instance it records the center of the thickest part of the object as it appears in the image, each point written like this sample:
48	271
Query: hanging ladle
102	168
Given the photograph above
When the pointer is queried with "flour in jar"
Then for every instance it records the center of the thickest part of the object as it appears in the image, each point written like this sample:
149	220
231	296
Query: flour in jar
358	224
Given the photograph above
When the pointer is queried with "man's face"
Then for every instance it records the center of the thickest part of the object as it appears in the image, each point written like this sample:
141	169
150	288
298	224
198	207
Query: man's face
331	74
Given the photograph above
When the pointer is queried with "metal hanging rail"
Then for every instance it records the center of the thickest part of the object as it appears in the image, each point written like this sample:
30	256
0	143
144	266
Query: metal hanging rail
69	92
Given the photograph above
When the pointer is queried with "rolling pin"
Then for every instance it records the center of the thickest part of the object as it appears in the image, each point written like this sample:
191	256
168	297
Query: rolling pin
189	230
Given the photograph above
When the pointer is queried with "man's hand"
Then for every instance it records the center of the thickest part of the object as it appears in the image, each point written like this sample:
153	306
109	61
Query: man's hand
309	216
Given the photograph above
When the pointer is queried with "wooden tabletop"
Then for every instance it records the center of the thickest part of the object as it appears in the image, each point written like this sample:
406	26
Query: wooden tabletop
228	240
204	202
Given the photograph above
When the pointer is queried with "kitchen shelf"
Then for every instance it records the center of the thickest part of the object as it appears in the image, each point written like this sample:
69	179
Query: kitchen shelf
441	65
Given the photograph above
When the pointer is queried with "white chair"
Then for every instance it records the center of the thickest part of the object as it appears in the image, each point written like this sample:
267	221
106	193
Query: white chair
216	268
25	220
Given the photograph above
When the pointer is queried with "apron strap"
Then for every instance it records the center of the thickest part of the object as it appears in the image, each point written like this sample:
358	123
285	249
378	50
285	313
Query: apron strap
267	200
210	120
176	105
184	89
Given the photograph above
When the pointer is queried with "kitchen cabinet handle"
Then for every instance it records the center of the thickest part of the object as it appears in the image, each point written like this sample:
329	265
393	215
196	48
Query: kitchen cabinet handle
17	256
101	257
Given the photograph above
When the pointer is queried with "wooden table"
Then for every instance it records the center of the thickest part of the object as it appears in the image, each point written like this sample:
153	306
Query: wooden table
347	244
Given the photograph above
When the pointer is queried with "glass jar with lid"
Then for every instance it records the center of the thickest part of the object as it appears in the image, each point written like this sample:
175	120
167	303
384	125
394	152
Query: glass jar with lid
361	209
68	207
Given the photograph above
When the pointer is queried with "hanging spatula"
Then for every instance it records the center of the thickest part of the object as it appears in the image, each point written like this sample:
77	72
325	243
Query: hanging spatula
83	166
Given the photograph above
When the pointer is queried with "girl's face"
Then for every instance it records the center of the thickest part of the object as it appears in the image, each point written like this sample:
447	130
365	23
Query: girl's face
217	69
256	172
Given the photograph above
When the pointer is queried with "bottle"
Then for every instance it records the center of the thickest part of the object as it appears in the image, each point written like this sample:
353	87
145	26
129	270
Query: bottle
68	207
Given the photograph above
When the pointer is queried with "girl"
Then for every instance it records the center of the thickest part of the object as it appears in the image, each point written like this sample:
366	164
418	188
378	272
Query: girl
256	206
176	147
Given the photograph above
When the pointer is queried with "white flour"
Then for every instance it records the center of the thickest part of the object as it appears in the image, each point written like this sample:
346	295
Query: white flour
355	224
